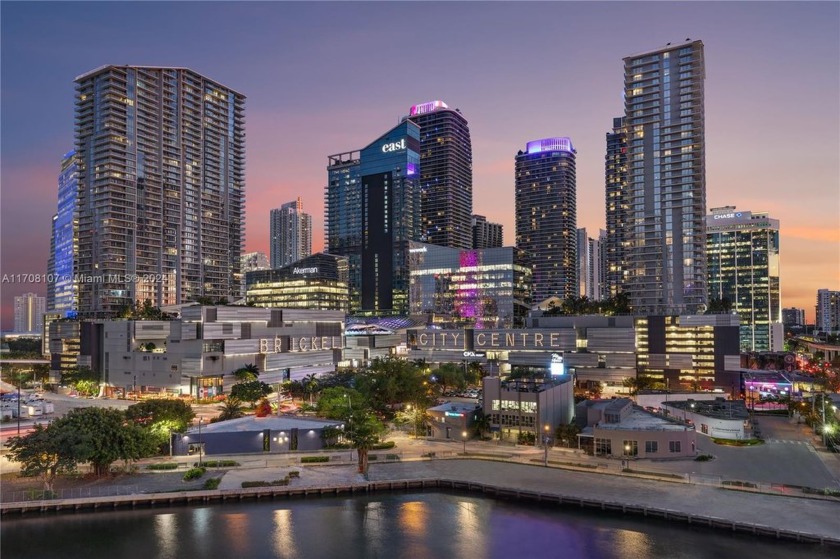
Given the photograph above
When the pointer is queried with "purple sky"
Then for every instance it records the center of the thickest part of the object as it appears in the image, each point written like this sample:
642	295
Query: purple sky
323	78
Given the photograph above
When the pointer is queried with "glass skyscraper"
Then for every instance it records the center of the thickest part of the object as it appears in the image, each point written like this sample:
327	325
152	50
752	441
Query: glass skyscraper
372	206
291	234
743	257
161	155
615	244
666	179
546	216
62	289
487	288
445	174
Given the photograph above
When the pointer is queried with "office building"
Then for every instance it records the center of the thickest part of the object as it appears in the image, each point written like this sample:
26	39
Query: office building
61	285
251	262
372	207
743	264
589	265
793	317
445	174
485	234
291	234
687	351
488	288
319	281
828	311
666	179
517	407
546	218
161	156
614	247
29	313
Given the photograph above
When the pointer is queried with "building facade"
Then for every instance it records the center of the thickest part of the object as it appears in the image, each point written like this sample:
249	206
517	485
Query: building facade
522	406
666	179
614	247
793	317
291	234
546	215
828	311
486	234
198	354
718	418
488	288
445	176
62	289
744	268
589	265
319	281
161	156
372	206
688	351
252	262
29	313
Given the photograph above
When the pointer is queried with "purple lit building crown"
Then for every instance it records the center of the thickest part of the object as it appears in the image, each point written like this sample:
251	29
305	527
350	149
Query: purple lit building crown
429	107
550	144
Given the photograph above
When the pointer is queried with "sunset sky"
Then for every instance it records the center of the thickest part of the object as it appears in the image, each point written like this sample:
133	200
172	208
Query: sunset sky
322	78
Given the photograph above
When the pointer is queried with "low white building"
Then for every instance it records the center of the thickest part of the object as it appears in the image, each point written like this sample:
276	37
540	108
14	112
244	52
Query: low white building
719	418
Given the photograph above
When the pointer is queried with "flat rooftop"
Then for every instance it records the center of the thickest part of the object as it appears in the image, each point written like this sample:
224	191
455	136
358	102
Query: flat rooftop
273	422
641	420
717	409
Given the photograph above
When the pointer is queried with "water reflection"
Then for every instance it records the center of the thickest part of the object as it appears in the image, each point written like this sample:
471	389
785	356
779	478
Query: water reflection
166	534
284	536
236	532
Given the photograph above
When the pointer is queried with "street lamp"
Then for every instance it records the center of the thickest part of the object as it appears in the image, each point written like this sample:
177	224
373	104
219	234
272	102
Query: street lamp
199	442
350	422
546	428
464	436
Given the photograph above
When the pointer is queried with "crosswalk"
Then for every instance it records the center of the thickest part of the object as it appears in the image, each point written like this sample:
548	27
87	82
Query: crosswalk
786	441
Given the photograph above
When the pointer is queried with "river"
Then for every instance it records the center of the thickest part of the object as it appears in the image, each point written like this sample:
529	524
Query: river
393	525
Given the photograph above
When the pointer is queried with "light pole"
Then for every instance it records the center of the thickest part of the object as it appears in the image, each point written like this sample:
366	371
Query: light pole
464	436
199	442
350	422
546	438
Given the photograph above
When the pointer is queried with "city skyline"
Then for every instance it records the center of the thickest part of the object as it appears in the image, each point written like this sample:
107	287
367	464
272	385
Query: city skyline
295	122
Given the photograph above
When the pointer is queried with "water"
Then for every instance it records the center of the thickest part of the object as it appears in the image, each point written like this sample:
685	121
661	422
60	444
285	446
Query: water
394	525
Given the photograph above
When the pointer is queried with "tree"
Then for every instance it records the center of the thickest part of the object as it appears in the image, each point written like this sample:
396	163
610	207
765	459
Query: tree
250	391
161	417
232	408
41	453
566	434
338	403
310	385
450	375
635	384
364	430
247	373
263	409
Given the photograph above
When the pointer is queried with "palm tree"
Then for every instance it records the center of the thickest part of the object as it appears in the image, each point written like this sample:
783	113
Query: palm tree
310	385
247	373
232	408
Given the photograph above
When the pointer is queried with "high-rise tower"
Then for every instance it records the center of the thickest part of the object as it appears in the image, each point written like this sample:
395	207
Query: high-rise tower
743	256
372	206
445	174
546	216
161	155
291	234
62	294
666	179
615	244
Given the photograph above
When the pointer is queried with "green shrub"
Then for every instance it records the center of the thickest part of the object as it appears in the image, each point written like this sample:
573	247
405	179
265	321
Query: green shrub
373	457
704	458
247	484
194	473
212	483
383	446
314	459
392	457
294	473
284	481
219	464
163	466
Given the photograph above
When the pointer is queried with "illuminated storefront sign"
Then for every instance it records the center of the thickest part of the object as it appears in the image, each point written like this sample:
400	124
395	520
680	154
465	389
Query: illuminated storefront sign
728	216
306	343
313	270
